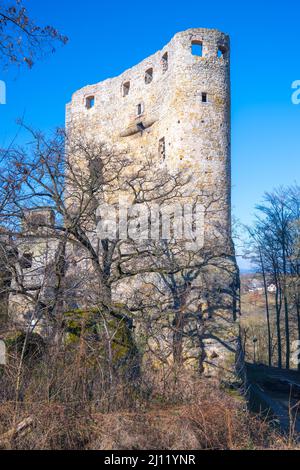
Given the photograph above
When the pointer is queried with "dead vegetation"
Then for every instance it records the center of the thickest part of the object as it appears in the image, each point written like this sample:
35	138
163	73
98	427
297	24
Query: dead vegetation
63	407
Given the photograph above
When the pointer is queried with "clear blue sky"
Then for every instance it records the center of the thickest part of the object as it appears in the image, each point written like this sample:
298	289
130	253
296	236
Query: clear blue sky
108	37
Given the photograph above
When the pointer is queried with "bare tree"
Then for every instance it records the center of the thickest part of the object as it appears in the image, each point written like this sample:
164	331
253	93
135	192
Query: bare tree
190	288
92	174
275	240
259	257
74	191
22	40
294	255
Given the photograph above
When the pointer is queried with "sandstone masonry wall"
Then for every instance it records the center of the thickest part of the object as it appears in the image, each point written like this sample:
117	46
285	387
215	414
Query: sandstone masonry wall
185	110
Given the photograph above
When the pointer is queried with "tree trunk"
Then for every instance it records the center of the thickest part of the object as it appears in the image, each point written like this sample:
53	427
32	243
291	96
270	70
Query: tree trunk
286	307
298	322
278	312
267	309
178	324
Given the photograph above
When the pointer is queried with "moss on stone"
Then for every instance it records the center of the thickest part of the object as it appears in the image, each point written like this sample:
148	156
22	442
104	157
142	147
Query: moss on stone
94	324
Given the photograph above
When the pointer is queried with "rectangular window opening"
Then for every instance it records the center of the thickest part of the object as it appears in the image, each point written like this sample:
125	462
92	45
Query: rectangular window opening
140	109
148	76
197	48
26	261
222	52
90	102
126	88
165	62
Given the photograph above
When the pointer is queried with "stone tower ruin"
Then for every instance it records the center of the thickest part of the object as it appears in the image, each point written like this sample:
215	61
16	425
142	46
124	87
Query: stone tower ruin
175	104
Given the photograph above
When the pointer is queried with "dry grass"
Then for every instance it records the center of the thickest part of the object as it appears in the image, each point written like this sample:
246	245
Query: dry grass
208	419
75	405
213	420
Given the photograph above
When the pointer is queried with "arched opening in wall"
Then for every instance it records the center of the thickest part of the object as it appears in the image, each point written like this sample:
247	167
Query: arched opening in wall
165	62
162	148
125	88
222	52
149	75
90	102
204	97
197	48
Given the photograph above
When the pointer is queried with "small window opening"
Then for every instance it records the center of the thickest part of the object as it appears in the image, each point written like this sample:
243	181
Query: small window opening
204	97
90	102
140	109
197	48
162	148
141	128
125	88
95	166
165	62
222	52
149	76
27	260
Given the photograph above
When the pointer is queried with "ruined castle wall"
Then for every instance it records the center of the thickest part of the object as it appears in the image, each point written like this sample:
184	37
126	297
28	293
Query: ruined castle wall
181	129
185	110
